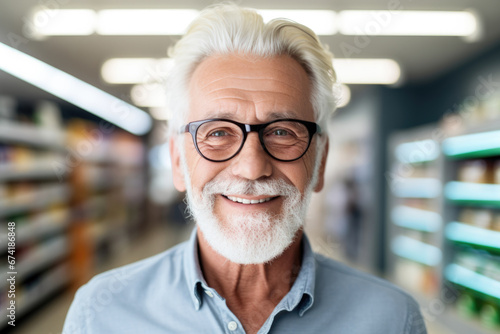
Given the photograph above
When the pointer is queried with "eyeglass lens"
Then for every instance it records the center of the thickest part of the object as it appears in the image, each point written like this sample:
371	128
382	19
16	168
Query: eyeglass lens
220	140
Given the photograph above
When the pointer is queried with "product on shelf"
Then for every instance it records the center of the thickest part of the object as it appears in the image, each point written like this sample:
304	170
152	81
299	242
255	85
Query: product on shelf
473	171
496	172
477	217
495	225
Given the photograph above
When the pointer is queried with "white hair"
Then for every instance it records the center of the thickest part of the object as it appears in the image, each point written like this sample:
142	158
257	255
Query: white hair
227	29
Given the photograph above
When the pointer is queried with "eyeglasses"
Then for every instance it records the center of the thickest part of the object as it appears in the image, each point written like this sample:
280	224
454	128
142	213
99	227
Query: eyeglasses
219	140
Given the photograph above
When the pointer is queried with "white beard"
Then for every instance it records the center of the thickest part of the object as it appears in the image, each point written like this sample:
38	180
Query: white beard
250	238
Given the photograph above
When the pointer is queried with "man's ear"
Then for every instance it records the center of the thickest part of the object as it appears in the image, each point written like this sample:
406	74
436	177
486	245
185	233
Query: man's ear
321	175
177	170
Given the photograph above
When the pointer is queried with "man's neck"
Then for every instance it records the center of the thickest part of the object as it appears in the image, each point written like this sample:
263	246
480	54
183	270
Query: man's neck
250	284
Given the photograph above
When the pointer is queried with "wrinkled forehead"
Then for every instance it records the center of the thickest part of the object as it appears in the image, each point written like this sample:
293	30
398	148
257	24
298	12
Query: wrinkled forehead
235	83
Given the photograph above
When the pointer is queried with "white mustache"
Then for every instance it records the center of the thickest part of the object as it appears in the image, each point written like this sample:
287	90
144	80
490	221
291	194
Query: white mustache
250	188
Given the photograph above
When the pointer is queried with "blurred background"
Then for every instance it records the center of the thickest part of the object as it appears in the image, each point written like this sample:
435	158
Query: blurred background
413	178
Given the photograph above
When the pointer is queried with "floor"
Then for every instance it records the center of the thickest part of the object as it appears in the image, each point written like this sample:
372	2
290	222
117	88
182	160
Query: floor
50	319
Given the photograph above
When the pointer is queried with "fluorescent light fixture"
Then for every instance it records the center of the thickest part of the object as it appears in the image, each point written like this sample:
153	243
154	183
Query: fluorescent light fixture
135	70
418	151
417	188
416	219
472	280
415	250
465	191
61	22
322	22
407	23
356	71
144	21
460	232
74	90
345	96
367	71
482	144
149	95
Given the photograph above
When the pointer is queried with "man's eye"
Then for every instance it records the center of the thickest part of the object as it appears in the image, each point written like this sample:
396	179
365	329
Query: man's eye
219	133
280	132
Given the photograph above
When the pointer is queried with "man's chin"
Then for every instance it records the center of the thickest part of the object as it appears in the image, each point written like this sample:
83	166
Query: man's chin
248	242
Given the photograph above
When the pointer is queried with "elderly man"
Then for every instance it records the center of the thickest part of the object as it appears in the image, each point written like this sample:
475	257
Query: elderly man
248	143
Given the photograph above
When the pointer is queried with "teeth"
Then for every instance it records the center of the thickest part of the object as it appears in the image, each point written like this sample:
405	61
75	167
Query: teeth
248	201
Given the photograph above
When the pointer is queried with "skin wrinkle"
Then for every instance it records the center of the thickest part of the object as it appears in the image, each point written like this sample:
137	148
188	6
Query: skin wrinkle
270	117
267	80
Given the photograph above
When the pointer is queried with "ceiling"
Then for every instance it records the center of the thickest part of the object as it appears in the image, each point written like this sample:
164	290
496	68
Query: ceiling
421	58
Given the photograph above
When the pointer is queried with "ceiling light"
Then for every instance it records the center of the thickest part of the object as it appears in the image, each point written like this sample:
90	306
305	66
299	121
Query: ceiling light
407	23
61	22
135	70
367	71
149	95
322	22
144	21
74	90
349	71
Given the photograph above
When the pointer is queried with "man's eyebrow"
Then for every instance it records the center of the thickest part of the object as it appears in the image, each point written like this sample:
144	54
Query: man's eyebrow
281	115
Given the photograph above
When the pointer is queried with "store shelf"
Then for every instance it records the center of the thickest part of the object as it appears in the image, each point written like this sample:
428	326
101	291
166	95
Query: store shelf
40	198
14	132
417	152
32	171
417	188
416	219
473	193
475	145
447	316
463	233
49	283
42	256
38	227
472	280
415	250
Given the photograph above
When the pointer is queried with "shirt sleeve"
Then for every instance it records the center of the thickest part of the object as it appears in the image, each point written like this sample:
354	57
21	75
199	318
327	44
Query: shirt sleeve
75	322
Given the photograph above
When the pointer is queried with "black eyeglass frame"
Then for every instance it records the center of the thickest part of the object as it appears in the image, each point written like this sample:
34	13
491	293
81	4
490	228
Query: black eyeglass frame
193	127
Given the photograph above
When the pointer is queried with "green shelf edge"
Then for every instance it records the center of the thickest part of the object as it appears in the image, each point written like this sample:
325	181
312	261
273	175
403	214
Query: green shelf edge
477	294
495	204
475	154
490	249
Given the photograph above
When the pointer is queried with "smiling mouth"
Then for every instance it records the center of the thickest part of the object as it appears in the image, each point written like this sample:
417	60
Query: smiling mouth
249	201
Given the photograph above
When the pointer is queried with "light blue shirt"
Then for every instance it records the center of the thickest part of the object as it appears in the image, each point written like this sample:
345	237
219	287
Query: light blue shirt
167	293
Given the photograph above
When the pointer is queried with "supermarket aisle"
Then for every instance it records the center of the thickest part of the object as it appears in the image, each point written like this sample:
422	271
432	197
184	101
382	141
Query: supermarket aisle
50	319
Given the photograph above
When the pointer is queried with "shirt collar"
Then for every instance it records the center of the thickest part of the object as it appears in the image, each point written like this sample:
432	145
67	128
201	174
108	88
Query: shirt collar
301	295
192	270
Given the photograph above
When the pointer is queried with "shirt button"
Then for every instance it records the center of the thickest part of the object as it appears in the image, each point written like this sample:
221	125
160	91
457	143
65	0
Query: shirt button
232	325
209	293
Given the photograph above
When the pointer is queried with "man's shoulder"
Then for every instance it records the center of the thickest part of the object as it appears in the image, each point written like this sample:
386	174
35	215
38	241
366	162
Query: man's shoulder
166	265
363	302
358	285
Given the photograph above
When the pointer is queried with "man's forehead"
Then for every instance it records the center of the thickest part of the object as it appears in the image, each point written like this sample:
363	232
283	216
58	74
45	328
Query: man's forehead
250	91
238	116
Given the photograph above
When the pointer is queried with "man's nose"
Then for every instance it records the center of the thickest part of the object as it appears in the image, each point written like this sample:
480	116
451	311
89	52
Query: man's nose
252	163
